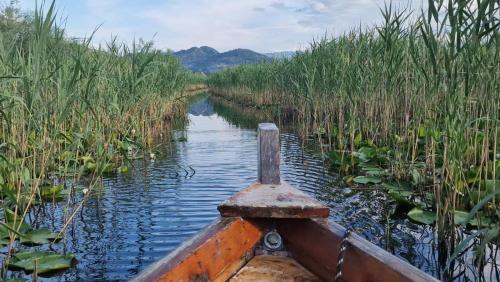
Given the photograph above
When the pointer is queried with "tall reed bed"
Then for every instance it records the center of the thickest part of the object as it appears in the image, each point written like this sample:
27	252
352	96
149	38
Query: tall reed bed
415	100
68	108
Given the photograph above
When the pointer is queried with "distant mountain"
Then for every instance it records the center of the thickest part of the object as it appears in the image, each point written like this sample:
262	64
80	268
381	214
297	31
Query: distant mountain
208	60
281	55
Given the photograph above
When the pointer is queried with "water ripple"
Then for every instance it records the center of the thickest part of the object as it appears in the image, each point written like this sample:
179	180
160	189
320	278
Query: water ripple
141	216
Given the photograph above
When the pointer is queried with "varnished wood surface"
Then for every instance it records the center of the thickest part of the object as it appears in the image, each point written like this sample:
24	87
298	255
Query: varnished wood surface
215	254
273	268
273	201
222	249
316	247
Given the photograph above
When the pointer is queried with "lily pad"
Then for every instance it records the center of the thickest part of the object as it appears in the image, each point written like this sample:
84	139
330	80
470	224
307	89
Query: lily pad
107	168
15	222
38	237
87	159
401	197
417	177
376	172
485	187
43	261
348	179
367	179
420	216
4	232
366	154
4	242
481	221
460	217
49	192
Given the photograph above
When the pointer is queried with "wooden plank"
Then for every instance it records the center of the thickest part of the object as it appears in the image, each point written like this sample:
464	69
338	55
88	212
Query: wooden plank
272	201
376	262
215	254
273	268
316	247
268	153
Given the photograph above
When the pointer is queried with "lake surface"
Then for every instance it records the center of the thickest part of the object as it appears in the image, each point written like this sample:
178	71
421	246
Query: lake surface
139	217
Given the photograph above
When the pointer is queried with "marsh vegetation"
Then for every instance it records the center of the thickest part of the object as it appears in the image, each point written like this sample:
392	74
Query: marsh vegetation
411	105
71	112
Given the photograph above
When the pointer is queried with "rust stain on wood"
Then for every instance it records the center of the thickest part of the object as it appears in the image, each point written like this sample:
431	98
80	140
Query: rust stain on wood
214	255
273	268
273	201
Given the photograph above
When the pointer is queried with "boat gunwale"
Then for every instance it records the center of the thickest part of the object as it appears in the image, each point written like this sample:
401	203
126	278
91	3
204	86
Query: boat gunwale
293	232
288	228
197	242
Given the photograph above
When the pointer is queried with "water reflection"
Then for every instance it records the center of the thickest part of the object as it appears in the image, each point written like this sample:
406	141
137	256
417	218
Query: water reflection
139	217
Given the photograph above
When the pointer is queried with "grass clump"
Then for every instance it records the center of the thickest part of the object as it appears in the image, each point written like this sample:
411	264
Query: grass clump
69	108
414	101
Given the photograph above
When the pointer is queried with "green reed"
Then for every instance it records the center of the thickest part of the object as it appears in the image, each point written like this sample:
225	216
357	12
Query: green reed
423	90
69	109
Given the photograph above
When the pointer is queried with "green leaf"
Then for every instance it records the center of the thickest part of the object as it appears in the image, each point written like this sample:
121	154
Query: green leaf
87	159
366	154
417	177
4	232
107	168
490	236
373	171
401	197
38	237
420	216
15	222
490	185
422	132
480	205
481	221
460	217
49	192
348	179
90	166
4	242
462	246
358	139
397	186
367	179
42	261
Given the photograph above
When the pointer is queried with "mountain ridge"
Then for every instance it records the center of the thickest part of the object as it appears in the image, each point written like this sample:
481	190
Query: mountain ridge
208	60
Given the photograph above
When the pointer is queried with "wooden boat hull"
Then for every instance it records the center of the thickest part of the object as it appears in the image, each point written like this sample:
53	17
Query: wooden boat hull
271	231
220	251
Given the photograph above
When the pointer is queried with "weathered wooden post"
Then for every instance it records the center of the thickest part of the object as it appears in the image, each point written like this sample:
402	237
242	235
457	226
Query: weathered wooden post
268	163
269	196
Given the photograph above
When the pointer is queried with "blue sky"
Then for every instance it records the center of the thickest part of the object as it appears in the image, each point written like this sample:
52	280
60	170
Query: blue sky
261	25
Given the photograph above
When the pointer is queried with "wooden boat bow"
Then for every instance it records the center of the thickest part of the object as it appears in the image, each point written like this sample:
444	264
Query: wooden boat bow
271	231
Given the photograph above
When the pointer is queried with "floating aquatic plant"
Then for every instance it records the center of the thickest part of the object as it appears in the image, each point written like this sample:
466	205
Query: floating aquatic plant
41	262
69	110
412	100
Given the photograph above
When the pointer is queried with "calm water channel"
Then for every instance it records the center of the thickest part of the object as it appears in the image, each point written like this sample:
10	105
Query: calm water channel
141	216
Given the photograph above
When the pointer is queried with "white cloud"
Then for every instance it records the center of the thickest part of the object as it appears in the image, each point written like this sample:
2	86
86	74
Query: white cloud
262	25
